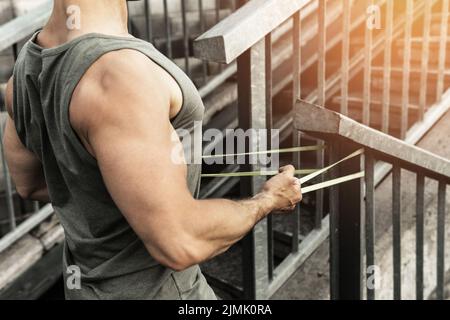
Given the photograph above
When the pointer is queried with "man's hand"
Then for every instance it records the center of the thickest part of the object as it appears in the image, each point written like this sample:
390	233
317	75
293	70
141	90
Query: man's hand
284	190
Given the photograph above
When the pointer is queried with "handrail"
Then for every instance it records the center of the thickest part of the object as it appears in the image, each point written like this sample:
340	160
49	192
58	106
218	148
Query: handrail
310	117
21	27
257	18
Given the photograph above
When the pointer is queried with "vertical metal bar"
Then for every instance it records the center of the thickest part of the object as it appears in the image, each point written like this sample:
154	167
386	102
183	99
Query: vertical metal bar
349	225
425	59
396	229
217	11
406	67
346	16
367	72
148	21
252	114
269	125
202	29
168	29
334	226
420	193
296	92
387	66
130	26
369	163
440	289
442	49
185	37
217	21
321	69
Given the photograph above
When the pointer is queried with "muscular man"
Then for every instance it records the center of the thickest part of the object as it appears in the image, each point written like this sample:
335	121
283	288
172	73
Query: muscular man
92	111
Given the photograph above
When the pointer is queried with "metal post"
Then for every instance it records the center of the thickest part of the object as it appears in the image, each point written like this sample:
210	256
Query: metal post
321	77
296	94
168	29
252	114
406	67
442	49
369	163
420	193
269	125
334	226
367	73
425	59
185	37
349	226
396	230
148	20
387	66
202	29
440	291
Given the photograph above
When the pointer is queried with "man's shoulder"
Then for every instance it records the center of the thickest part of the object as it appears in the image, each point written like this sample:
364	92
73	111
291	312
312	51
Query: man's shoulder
115	83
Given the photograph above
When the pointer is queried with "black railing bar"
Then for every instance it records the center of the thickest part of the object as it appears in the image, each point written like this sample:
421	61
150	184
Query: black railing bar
369	164
202	29
334	226
148	20
167	29
185	38
440	265
321	87
420	207
296	94
396	231
269	126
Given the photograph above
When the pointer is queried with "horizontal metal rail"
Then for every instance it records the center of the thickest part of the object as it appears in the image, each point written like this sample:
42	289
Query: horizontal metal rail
224	42
25	227
313	118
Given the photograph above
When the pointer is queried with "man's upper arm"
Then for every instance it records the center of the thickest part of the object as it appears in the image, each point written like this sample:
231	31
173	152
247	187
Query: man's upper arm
123	112
25	167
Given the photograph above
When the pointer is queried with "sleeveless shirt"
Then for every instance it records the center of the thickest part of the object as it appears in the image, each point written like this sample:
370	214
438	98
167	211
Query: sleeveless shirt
112	261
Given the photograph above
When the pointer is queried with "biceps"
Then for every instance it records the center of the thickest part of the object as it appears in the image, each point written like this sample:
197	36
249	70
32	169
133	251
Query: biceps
146	185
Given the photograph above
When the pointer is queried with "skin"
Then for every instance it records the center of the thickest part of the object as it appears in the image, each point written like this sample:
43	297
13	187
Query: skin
178	230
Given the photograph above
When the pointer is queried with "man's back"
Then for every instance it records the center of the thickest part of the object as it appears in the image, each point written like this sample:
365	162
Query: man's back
99	240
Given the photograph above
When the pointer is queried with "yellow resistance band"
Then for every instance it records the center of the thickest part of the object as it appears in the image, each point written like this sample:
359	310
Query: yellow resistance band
311	174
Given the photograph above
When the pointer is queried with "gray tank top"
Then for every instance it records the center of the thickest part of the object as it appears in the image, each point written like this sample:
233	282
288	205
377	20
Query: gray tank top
113	261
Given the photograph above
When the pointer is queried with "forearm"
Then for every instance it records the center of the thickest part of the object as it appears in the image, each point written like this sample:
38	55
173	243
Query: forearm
221	222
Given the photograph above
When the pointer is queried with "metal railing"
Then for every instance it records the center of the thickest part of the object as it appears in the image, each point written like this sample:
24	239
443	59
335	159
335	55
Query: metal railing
353	225
326	83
